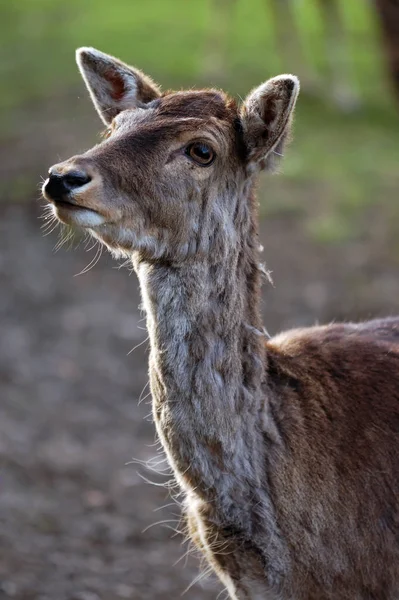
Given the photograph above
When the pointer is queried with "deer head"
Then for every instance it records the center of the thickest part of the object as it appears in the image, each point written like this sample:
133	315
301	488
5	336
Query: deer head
172	175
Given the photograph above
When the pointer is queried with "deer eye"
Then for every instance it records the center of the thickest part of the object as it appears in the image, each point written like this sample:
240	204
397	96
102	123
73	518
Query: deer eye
201	153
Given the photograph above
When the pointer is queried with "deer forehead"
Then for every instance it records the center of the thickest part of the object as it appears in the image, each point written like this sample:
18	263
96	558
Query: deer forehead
197	103
181	116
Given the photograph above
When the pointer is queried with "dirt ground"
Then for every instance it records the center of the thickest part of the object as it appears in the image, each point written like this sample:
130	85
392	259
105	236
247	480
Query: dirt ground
73	512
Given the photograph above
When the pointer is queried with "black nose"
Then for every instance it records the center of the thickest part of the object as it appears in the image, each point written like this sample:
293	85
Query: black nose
58	186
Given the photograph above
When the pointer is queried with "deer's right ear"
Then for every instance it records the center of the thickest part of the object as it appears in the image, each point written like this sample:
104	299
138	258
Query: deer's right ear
113	85
266	117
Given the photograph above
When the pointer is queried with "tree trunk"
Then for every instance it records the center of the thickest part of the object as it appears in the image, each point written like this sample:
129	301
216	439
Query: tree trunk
216	64
388	12
338	61
289	43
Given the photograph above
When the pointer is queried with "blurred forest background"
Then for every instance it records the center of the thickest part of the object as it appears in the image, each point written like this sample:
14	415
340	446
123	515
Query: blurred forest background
72	512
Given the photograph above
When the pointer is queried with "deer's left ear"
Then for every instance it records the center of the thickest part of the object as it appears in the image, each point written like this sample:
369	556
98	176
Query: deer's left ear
266	117
113	85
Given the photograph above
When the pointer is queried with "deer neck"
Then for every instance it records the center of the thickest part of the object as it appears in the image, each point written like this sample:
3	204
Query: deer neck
207	361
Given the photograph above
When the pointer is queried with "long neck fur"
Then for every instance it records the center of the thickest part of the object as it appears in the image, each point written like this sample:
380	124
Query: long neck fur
207	360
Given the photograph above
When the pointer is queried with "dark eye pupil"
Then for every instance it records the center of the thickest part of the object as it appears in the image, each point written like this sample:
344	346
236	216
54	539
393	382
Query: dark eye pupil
200	153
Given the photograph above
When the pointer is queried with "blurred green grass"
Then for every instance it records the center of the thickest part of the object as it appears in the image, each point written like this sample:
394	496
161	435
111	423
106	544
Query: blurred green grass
167	38
340	165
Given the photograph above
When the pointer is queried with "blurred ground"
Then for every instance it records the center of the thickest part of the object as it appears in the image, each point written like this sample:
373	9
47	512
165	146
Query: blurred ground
72	513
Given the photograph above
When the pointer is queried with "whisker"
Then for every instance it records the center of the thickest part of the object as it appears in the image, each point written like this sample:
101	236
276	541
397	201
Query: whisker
125	263
160	523
197	579
164	506
167	485
144	398
142	392
152	466
93	261
185	555
138	345
50	220
53	228
224	591
66	235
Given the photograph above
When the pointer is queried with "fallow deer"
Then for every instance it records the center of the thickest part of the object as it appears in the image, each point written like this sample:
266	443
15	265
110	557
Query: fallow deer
286	449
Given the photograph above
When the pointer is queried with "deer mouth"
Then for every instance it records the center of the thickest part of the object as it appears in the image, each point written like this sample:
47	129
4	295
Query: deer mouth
70	213
69	204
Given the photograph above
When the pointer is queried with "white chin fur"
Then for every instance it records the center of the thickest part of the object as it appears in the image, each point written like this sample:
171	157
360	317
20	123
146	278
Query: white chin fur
81	217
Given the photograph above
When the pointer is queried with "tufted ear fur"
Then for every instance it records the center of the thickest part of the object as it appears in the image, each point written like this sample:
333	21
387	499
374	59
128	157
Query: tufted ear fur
113	85
266	117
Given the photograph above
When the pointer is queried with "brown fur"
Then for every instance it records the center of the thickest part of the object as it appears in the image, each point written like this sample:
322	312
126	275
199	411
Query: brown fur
337	391
286	449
